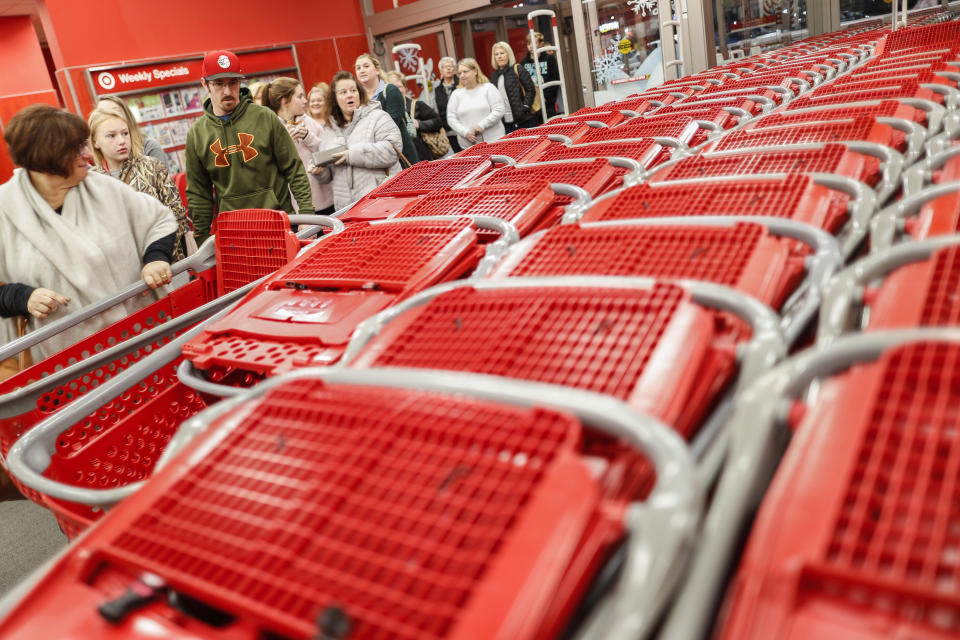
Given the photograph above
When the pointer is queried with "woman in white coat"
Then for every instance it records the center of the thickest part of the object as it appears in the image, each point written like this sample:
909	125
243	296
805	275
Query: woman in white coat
475	108
369	134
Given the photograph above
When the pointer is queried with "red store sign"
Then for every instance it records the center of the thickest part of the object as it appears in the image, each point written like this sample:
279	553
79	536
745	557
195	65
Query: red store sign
163	74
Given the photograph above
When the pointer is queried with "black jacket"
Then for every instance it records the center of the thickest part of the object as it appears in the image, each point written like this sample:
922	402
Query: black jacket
442	96
520	100
550	72
429	123
392	102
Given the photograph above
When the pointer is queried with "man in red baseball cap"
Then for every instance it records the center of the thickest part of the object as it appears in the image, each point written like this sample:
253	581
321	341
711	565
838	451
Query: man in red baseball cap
239	151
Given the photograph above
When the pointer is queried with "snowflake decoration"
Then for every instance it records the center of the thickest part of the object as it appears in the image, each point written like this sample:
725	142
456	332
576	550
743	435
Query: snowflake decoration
608	67
409	59
644	6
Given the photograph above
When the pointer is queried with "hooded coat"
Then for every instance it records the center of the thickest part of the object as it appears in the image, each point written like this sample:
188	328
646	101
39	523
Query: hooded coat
372	140
248	160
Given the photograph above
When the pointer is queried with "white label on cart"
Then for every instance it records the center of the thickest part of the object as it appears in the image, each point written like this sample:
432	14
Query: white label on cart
317	311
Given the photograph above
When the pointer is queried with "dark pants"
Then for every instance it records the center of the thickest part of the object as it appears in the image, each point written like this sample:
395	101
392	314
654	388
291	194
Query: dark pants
454	144
532	121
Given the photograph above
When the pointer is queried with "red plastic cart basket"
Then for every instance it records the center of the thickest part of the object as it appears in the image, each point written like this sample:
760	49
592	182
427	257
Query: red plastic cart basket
827	202
856	537
390	504
655	345
522	205
648	152
765	258
571	130
415	182
688	130
304	314
902	135
877	166
594	176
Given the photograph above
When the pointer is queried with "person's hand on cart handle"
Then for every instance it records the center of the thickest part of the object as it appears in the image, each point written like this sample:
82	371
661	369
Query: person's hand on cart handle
156	273
43	302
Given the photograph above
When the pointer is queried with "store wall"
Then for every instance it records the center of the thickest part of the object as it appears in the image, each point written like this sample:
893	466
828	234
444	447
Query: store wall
23	83
328	35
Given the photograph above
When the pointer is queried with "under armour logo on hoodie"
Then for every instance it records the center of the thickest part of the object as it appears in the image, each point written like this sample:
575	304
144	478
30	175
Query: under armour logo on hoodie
245	148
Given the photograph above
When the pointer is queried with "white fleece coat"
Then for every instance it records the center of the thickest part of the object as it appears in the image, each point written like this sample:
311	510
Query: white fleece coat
478	107
90	251
372	140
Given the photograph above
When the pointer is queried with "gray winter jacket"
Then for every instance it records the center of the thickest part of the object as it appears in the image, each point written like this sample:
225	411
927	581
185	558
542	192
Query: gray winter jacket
372	140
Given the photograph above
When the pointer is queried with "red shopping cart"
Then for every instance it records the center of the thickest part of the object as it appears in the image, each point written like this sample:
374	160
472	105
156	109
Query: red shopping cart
875	165
822	201
304	314
525	149
387	504
134	423
765	258
686	129
413	183
857	533
594	176
656	345
648	152
523	205
571	130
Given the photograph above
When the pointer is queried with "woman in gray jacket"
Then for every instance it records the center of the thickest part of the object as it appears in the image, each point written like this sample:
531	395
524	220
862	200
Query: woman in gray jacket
369	134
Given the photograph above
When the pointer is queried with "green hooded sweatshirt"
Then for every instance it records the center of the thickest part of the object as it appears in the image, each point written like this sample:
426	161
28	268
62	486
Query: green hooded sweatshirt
249	161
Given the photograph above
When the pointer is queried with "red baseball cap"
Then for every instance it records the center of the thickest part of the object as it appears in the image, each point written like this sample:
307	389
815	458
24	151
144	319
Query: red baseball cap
221	64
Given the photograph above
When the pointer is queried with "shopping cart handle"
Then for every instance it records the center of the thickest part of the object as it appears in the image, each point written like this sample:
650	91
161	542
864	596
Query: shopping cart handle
885	224
202	259
581	200
331	222
188	375
499	159
24	399
30	455
848	285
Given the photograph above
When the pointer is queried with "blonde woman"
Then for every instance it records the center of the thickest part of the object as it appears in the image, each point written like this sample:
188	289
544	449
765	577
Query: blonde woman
425	119
515	87
141	143
315	100
285	97
475	109
373	80
114	154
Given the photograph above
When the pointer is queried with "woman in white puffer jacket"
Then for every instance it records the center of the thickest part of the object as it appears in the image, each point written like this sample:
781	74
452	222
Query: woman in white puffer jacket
368	133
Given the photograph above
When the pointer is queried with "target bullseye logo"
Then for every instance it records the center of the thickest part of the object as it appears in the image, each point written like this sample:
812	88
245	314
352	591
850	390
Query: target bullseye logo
106	80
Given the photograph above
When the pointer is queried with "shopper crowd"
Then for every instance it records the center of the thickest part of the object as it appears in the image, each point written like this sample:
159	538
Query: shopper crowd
93	206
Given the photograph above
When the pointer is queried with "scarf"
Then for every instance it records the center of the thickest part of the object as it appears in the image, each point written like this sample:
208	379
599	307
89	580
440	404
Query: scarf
90	251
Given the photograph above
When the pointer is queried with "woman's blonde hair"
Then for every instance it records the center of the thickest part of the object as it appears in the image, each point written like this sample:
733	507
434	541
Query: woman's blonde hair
395	75
511	59
96	119
256	91
376	64
470	63
136	136
321	88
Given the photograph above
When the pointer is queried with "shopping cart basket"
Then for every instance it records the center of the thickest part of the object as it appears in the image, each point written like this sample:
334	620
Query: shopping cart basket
386	504
828	202
857	534
877	166
304	314
415	182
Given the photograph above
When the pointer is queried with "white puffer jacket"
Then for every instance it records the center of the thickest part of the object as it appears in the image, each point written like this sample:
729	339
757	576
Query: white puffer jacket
372	140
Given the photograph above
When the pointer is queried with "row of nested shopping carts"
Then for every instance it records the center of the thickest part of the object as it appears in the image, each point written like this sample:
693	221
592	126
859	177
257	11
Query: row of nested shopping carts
675	366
